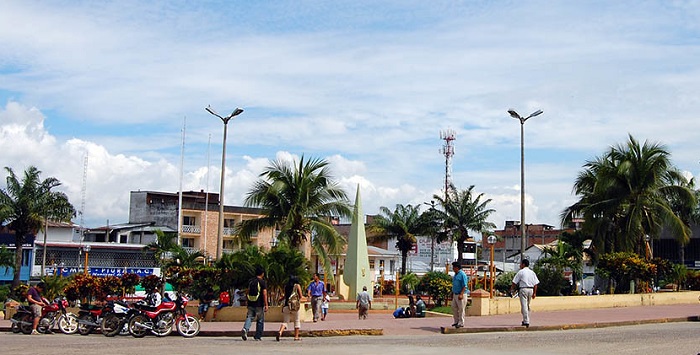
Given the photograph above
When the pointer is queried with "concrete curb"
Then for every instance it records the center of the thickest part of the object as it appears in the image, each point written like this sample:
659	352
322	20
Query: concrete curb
446	330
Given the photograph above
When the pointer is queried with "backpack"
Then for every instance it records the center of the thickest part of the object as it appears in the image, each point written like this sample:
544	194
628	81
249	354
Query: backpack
253	290
293	300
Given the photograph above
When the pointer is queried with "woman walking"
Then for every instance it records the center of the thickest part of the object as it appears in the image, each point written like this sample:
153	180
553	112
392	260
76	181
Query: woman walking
290	310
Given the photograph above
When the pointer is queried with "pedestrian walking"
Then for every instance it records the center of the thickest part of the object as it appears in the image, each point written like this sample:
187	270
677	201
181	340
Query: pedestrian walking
325	304
315	292
363	304
526	280
291	307
459	295
257	304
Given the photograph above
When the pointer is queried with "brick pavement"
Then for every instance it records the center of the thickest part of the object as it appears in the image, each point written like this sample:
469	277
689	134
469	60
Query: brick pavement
383	323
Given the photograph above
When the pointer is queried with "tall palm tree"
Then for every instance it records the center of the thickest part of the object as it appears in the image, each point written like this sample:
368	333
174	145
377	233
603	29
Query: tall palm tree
299	201
625	195
25	204
404	223
463	212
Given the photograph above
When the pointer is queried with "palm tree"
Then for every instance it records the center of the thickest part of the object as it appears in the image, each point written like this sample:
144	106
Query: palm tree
299	201
462	212
163	247
626	194
403	224
25	204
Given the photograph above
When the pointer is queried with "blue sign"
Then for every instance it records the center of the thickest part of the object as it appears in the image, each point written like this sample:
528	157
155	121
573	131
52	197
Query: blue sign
104	271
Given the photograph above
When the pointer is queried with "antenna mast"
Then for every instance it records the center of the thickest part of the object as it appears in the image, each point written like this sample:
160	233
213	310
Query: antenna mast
448	151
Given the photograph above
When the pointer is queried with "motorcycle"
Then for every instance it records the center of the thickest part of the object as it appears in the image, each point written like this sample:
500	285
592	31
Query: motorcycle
117	320
51	314
160	320
187	325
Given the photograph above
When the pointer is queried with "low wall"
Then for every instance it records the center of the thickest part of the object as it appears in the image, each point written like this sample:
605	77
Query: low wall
238	314
482	305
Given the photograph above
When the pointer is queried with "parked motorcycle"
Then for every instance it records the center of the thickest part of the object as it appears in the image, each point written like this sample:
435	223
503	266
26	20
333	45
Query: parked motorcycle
117	321
187	325
160	320
52	314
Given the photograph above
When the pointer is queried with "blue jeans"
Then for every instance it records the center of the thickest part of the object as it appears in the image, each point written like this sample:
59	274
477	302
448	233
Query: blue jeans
259	314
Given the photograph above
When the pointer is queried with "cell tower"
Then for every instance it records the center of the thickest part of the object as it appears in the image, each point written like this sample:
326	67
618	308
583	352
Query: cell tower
448	150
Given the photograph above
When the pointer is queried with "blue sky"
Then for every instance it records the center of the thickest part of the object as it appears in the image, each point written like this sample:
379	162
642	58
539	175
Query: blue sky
366	85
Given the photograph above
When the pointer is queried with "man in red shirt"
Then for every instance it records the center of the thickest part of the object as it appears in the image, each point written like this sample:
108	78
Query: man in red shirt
224	301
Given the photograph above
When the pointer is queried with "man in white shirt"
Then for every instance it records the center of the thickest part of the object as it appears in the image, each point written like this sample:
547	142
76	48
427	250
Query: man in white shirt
526	280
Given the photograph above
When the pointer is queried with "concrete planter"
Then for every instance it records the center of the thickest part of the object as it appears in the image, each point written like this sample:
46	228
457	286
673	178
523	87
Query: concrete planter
238	314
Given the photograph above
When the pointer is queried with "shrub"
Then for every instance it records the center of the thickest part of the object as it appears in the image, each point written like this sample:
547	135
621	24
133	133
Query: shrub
552	281
503	281
437	285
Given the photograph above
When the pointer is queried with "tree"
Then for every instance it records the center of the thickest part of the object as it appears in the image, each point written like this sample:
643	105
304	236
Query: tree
25	204
403	224
7	258
299	201
462	212
625	195
163	247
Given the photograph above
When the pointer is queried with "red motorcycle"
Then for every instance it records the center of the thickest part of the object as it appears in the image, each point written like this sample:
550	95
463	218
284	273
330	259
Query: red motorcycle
52	314
160	320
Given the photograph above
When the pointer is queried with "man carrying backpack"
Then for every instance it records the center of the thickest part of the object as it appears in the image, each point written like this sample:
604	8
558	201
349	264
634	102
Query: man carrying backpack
257	305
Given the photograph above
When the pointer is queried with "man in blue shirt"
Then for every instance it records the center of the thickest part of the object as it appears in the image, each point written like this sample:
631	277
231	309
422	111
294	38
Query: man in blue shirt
459	295
315	292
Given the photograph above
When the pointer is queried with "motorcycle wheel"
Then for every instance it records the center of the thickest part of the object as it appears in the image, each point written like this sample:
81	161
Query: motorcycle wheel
135	330
45	325
112	325
68	323
188	327
14	327
163	331
85	329
26	325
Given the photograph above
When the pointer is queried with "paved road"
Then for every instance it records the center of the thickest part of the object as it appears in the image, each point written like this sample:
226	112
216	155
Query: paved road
666	338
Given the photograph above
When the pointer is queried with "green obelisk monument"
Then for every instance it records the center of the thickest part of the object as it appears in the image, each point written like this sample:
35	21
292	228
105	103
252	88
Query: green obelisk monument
357	272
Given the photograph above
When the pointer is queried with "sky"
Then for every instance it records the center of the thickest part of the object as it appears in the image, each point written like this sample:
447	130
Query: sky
366	85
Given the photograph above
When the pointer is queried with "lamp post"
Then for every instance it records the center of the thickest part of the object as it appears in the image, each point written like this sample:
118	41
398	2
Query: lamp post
220	232
523	242
86	249
492	268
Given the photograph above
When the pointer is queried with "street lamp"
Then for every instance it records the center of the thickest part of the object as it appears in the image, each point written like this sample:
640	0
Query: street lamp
492	268
220	233
86	249
523	243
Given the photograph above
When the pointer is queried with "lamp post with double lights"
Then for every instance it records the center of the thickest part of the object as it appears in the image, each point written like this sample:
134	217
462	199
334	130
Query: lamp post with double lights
220	232
492	268
523	242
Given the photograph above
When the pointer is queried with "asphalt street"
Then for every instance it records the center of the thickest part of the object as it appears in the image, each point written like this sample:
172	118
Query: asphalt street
663	338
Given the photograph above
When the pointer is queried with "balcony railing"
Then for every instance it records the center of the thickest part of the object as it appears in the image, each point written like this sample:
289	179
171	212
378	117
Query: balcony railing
191	229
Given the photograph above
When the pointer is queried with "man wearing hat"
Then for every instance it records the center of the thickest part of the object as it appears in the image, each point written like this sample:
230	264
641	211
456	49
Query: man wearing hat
459	295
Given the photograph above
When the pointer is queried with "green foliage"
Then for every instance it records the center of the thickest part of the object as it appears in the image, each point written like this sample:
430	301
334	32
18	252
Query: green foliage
4	292
622	267
402	224
388	287
7	258
693	280
81	286
409	282
283	262
679	274
19	293
436	284
54	286
503	281
239	267
552	281
129	282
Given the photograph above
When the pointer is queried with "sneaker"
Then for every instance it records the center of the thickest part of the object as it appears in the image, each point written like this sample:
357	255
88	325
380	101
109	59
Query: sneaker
244	334
34	332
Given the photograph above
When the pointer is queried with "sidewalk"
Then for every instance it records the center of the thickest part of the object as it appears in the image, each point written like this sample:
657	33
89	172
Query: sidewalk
383	323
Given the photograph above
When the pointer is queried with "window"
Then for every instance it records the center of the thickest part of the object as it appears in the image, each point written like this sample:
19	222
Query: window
228	244
189	221
188	242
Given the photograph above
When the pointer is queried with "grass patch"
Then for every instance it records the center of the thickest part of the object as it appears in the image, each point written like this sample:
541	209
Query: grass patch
442	309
